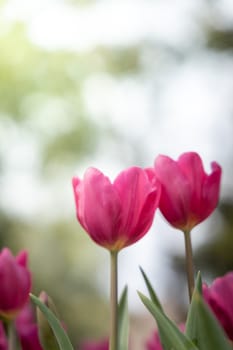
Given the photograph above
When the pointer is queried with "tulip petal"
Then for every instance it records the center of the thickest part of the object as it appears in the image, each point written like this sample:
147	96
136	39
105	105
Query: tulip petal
211	189
22	258
219	297
138	202
98	207
175	197
191	165
146	216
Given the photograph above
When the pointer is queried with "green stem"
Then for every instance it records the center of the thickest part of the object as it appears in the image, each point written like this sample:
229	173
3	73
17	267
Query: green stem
114	303
189	263
12	337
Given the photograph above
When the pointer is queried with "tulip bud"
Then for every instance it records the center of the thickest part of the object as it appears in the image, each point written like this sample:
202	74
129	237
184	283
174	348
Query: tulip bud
46	335
15	283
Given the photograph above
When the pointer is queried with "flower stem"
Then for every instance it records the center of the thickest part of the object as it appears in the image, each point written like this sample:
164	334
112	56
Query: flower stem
114	303
13	341
189	263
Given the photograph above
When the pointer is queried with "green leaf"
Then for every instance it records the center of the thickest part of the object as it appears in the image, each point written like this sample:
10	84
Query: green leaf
204	327
170	335
151	291
123	321
191	327
60	334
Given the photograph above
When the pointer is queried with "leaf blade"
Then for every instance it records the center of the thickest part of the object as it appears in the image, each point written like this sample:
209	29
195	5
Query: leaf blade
123	321
150	289
61	336
170	335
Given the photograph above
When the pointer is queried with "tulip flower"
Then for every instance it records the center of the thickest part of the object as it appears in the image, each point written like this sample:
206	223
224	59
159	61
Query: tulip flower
117	214
188	195
219	296
15	283
154	342
27	329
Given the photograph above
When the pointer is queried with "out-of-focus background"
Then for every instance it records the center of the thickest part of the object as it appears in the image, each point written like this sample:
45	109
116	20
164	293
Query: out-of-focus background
111	84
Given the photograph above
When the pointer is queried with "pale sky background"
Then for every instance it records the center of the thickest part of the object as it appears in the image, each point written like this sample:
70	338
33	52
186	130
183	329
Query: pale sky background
192	103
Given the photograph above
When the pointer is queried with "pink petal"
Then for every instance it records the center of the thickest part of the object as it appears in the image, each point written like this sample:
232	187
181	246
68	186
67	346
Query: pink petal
191	165
219	298
175	197
146	216
75	184
133	187
210	191
22	258
99	207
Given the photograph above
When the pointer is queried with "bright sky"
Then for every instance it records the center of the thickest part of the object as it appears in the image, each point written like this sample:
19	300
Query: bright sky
55	24
191	102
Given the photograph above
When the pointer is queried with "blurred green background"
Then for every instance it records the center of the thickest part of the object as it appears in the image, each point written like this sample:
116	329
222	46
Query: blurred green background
52	127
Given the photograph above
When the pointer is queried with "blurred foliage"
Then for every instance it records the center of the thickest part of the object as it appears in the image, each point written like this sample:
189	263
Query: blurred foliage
121	60
216	256
37	86
220	39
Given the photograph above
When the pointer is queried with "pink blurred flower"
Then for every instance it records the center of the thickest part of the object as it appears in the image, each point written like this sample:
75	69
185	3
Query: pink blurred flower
15	283
3	340
219	296
95	345
189	195
154	342
27	329
117	214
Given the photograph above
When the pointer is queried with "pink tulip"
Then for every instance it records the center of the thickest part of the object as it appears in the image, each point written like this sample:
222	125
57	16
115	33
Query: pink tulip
27	329
15	283
95	345
189	195
154	342
117	214
219	296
